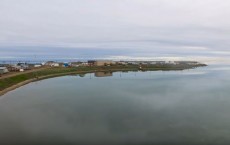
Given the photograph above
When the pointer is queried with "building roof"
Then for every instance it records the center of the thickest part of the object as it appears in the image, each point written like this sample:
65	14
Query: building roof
3	68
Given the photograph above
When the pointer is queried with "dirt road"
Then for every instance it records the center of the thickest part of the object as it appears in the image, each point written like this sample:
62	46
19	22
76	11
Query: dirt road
11	74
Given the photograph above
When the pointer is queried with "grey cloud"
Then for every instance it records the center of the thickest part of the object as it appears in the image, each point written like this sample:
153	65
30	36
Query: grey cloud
138	25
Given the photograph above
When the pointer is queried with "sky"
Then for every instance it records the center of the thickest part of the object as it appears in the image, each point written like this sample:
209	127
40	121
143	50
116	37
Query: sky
115	29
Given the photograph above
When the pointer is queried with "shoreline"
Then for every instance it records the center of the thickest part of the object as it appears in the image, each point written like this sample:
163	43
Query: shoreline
34	79
18	85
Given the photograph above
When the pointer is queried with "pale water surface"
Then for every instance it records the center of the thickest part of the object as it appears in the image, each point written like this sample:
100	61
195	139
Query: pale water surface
171	107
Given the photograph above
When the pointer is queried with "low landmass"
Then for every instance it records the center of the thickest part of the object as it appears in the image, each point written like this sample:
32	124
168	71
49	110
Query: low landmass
12	80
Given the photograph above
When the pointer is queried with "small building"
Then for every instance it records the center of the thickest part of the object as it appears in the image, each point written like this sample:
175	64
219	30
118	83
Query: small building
52	64
76	64
133	63
100	62
79	63
66	64
84	64
13	68
3	70
37	65
34	65
48	63
91	62
24	66
121	63
55	65
170	62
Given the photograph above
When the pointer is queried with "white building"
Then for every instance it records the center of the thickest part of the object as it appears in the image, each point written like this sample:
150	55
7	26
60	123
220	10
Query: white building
37	65
3	70
52	64
55	65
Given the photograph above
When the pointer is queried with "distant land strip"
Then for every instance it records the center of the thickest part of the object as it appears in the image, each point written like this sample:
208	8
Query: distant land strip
11	82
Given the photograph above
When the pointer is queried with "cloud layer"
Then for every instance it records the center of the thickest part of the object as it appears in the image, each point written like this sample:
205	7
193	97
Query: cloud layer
134	28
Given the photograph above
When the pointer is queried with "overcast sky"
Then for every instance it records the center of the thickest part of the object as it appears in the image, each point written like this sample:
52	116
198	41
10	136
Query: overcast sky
118	29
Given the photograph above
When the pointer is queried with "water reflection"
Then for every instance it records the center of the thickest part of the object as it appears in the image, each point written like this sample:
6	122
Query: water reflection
138	108
103	74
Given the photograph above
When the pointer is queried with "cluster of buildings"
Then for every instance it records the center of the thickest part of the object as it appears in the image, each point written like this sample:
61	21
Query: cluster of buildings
20	67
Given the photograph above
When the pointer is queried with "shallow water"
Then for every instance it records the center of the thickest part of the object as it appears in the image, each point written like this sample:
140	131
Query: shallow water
171	107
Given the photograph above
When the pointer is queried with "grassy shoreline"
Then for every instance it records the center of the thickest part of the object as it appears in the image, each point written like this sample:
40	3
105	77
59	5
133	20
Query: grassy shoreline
13	82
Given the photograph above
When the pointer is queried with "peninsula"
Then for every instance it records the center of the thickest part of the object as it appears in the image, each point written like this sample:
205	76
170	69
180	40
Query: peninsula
13	76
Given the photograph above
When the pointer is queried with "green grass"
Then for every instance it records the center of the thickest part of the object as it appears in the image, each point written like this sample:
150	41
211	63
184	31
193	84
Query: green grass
7	82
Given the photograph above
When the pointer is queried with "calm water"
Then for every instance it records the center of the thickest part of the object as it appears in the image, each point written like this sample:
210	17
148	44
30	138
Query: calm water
175	107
